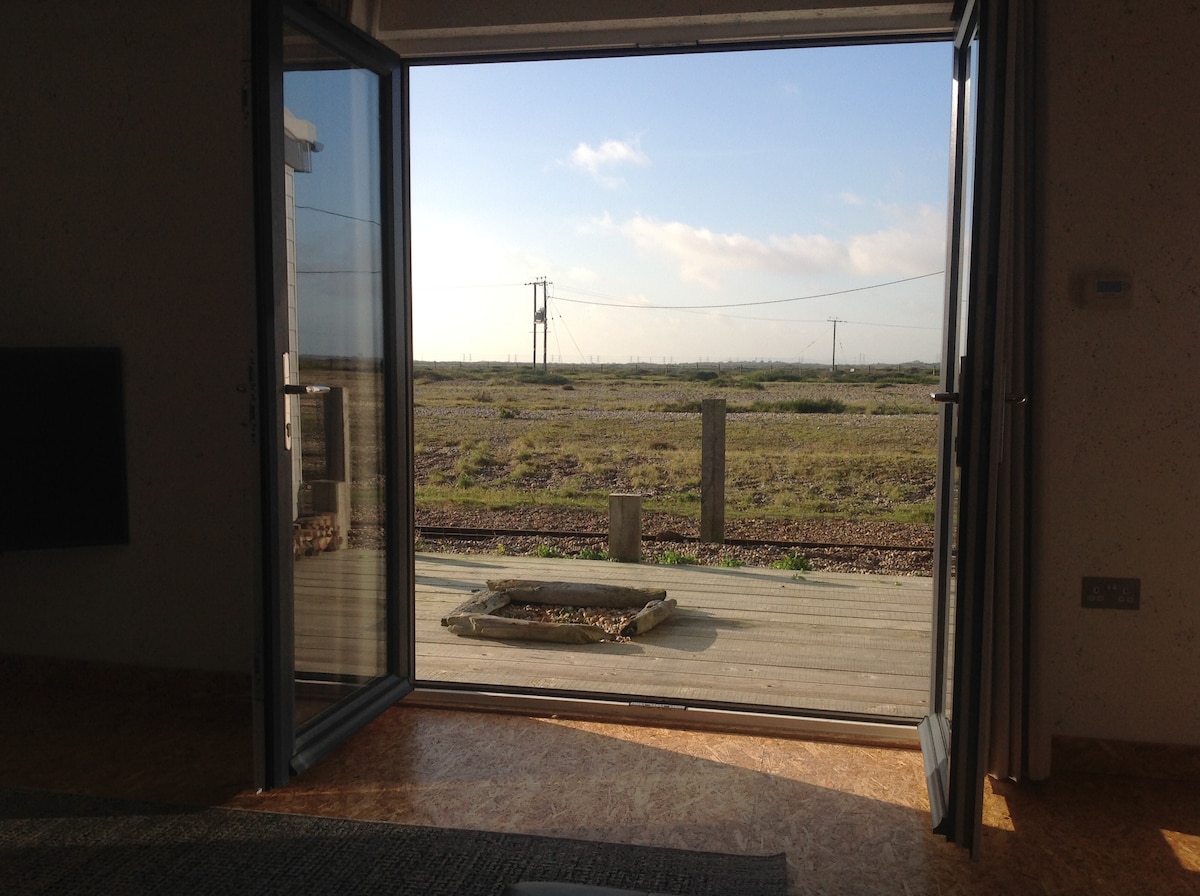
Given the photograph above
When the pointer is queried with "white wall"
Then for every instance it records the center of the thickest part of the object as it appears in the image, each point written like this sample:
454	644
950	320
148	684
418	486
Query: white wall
1117	404
127	192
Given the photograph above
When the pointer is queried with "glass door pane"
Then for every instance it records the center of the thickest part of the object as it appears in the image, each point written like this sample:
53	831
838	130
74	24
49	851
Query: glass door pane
937	727
336	654
331	123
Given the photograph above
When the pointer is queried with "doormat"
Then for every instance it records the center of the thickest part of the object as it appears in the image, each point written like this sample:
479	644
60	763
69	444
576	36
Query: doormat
70	845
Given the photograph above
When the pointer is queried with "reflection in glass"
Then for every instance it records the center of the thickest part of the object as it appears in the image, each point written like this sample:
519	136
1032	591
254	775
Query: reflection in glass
957	316
335	286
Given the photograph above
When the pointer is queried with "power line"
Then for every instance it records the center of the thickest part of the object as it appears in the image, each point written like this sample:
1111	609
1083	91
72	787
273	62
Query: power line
562	320
325	211
809	320
823	295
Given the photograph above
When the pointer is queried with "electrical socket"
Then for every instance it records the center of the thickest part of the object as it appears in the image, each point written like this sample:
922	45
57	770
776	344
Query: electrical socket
1105	593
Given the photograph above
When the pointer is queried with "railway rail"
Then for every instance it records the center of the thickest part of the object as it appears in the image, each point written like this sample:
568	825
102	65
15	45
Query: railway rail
468	534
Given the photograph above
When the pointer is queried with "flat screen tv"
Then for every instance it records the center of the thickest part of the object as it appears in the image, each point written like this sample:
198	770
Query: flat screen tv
62	448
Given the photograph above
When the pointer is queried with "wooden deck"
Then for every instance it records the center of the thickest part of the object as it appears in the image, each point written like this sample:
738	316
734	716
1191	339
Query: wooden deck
827	642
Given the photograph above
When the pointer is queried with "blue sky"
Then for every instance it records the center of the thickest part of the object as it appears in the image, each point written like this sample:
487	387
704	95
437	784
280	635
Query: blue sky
648	190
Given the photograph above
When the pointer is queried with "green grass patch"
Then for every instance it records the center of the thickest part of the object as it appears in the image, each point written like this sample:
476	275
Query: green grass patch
793	560
853	450
537	378
674	558
592	554
796	406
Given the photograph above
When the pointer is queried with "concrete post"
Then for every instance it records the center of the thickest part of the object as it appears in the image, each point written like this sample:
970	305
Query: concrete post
625	528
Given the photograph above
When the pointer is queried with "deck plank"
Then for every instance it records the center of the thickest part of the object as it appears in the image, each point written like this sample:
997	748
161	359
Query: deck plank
825	642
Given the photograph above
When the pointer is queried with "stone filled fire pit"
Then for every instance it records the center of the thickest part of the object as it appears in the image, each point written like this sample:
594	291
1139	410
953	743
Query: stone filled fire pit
535	610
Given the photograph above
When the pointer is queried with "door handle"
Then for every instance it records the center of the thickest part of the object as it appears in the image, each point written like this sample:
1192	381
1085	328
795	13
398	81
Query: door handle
944	397
294	389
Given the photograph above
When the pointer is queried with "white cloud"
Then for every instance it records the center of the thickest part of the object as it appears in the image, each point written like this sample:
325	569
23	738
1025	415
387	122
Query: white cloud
703	255
599	161
914	245
582	275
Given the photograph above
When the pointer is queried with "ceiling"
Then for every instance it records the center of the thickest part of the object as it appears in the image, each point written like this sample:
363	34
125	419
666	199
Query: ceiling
432	29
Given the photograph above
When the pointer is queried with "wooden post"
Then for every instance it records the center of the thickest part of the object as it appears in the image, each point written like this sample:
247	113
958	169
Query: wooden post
333	497
625	528
332	493
712	471
336	403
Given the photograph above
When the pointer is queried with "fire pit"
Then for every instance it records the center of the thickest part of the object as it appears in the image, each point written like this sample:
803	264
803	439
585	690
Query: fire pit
565	612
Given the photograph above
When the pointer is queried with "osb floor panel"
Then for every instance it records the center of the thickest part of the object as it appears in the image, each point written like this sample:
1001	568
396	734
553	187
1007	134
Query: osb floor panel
852	820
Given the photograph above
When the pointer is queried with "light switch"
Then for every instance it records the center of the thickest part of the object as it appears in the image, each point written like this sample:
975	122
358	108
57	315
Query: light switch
1107	289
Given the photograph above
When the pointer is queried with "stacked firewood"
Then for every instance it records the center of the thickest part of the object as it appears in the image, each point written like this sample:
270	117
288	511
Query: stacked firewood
312	534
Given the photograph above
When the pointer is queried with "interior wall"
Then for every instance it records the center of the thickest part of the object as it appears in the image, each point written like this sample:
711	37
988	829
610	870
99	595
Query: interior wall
127	161
1115	403
127	187
1117	409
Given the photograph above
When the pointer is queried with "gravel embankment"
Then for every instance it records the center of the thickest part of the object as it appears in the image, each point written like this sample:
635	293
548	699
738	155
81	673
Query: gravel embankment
665	533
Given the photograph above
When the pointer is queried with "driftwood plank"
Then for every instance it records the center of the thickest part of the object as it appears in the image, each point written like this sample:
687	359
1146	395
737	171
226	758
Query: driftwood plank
479	625
651	615
575	594
488	602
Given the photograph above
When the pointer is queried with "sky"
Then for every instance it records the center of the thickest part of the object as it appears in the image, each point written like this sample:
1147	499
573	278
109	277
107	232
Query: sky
703	207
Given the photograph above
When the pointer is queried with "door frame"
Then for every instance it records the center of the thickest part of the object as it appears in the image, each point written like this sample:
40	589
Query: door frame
281	750
935	730
956	750
273	668
718	715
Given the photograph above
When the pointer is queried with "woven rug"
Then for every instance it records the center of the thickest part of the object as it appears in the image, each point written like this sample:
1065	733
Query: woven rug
66	845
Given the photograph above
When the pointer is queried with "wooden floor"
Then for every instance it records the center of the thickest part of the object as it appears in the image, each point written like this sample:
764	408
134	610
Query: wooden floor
825	642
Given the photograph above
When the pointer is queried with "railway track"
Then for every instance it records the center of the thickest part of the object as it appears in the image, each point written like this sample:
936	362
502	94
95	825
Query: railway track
467	534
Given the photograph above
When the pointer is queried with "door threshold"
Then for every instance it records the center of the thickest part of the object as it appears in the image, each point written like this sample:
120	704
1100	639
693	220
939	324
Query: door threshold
899	734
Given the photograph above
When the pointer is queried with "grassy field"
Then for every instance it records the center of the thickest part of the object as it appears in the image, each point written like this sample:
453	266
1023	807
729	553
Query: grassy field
859	446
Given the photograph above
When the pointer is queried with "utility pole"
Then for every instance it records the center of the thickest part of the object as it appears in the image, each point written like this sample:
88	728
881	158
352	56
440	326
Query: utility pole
534	285
540	317
833	359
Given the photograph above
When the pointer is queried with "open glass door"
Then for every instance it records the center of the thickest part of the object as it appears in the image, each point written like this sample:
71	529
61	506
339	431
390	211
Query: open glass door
952	723
338	623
